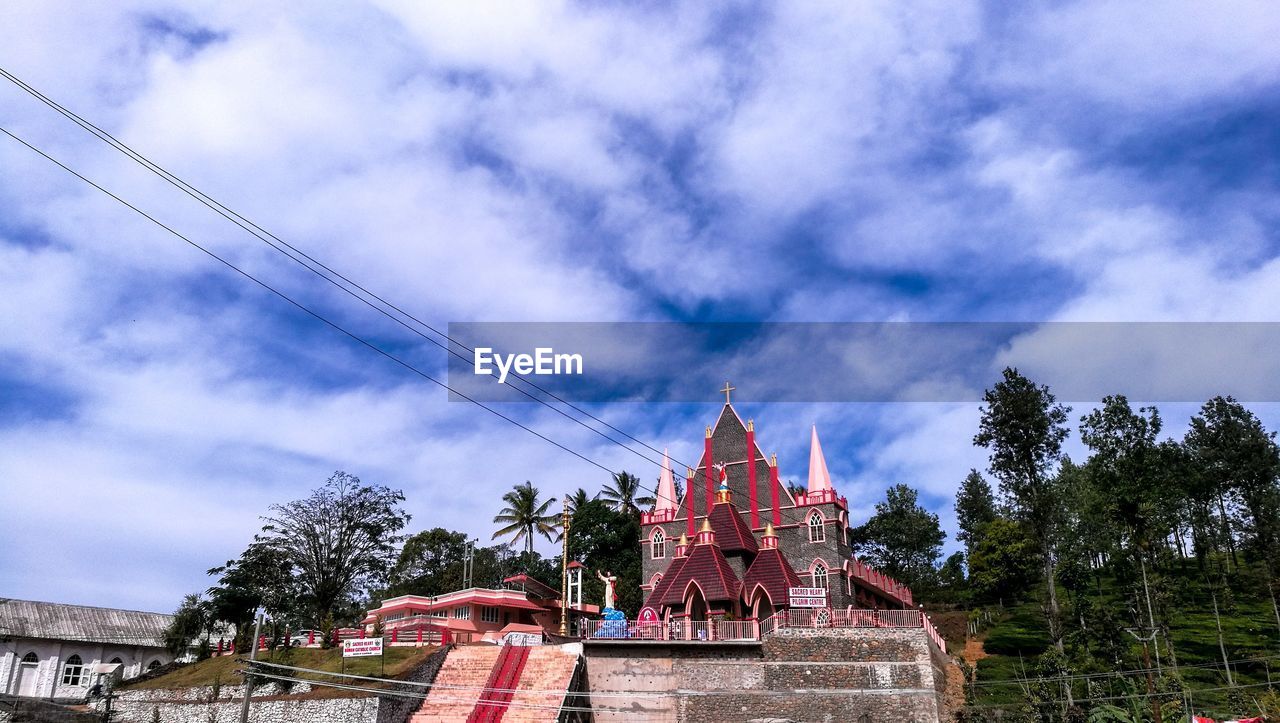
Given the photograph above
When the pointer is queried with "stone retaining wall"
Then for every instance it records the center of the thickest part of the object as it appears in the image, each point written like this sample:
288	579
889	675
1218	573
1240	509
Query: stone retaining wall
321	710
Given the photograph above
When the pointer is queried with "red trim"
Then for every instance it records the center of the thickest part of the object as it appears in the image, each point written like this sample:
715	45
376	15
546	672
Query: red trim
688	496
773	492
711	488
751	478
504	676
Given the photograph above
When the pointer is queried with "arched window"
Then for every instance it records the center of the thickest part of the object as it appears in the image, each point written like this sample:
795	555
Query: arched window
653	582
156	664
658	544
817	531
30	658
820	575
73	672
117	661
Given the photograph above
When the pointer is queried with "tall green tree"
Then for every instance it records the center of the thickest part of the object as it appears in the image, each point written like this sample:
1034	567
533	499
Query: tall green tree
262	577
189	621
342	539
1023	427
525	516
579	498
902	538
623	494
1126	464
975	508
1005	562
608	540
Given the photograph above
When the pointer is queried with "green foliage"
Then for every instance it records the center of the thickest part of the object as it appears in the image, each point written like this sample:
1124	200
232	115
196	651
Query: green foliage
1021	634
432	563
606	540
189	621
902	538
525	516
975	508
623	494
1005	562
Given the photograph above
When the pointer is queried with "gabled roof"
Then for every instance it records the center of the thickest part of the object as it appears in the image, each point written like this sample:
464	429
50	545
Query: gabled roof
81	623
660	590
532	586
706	566
772	571
732	534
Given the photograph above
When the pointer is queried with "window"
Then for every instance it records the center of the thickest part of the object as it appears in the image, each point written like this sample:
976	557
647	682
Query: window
817	532
116	661
488	614
820	575
73	673
658	543
30	658
440	613
462	613
156	664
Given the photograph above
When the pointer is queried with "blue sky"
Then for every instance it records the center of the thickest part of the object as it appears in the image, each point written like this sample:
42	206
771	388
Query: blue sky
947	161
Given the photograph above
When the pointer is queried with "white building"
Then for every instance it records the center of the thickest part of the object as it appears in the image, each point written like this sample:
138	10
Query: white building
51	650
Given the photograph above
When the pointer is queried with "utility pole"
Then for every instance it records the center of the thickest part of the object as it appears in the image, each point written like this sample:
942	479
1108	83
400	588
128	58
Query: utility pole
468	564
564	569
248	677
1151	683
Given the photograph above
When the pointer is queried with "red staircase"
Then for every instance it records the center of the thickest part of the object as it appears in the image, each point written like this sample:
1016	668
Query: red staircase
498	691
543	685
457	686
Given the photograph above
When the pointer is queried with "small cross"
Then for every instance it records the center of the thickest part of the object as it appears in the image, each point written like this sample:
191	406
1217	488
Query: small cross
726	391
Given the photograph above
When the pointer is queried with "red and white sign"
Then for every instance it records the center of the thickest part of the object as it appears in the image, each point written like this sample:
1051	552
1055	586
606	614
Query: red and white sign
647	615
807	597
360	647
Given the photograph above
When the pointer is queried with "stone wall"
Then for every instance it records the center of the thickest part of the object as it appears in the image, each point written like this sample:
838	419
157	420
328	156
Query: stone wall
319	710
395	709
801	675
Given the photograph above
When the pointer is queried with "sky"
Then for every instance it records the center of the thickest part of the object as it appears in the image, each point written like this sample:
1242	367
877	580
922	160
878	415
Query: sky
564	162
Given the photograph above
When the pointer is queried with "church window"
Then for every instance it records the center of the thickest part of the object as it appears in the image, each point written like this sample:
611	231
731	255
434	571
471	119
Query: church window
462	613
488	614
820	575
116	661
658	544
73	673
156	664
30	658
817	531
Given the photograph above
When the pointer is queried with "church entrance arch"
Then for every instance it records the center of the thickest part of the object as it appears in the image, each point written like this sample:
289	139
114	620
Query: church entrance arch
761	605
695	604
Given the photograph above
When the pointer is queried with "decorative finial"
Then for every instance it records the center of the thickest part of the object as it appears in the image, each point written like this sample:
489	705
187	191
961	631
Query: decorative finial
751	425
708	431
774	459
769	531
726	391
684	539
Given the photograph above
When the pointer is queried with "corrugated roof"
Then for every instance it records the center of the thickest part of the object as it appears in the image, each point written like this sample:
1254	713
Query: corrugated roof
771	571
31	619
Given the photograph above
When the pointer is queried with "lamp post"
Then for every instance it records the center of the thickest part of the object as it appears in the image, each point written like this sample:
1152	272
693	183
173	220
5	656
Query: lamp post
564	569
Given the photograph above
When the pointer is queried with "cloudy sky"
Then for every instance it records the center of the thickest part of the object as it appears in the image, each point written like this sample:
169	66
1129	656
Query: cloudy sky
850	161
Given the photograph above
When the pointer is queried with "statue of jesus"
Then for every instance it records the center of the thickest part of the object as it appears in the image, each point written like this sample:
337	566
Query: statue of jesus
608	579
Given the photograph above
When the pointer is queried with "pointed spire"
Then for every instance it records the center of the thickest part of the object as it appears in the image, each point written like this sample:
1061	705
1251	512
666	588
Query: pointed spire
666	487
819	477
706	536
770	539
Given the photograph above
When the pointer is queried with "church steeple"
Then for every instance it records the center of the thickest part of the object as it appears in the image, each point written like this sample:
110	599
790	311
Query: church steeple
819	477
666	488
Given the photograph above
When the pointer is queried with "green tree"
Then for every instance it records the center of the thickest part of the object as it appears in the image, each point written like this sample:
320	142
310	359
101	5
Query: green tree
607	540
341	539
902	538
1023	426
975	507
623	494
1005	562
430	563
189	621
579	498
525	516
262	577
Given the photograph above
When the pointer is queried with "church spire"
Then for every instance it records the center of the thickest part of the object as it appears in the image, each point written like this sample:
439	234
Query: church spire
666	487
819	477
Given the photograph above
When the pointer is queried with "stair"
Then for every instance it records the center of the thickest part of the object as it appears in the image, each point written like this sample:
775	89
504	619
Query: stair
502	682
467	666
549	668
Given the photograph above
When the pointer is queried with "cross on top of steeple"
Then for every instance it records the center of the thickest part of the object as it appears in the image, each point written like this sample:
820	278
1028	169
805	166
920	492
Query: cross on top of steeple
726	391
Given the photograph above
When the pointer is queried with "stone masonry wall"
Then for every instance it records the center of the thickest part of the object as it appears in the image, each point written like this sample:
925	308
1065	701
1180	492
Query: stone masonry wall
800	675
324	710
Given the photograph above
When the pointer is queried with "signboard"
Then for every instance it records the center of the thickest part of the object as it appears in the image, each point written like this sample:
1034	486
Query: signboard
807	597
360	647
647	615
522	640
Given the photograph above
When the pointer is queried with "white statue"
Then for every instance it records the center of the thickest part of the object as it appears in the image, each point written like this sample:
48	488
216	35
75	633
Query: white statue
608	579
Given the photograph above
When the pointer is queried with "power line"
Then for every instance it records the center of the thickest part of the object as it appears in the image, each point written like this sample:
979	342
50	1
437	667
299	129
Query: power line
1117	673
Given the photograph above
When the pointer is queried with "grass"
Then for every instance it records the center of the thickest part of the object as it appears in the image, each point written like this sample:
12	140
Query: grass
398	662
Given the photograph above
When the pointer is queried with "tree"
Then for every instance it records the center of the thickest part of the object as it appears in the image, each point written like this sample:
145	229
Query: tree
608	540
189	621
524	516
1126	465
262	577
340	539
902	538
975	507
1004	562
579	498
623	494
430	563
1023	426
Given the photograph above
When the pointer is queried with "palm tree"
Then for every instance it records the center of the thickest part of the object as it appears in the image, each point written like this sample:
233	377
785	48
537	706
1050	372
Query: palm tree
524	516
578	499
621	494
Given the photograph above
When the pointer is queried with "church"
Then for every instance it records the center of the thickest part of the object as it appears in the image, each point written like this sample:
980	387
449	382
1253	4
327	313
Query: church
737	541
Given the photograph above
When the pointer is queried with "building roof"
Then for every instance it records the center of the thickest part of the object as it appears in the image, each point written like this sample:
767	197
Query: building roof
771	571
732	534
82	623
660	590
707	566
533	586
